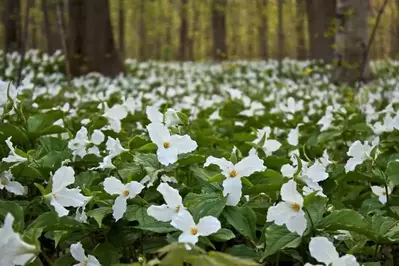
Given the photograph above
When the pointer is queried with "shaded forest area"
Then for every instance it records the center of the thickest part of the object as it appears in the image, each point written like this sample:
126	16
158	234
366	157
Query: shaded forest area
195	29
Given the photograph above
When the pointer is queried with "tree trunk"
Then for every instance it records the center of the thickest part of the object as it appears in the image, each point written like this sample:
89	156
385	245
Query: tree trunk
301	52
88	50
263	29
395	31
321	15
47	27
121	28
351	41
12	26
142	32
219	29
183	30
280	37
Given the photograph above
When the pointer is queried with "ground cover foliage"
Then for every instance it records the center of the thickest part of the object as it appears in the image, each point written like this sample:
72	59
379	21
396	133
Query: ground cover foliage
197	163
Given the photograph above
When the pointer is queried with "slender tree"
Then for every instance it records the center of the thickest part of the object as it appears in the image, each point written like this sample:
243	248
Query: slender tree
280	37
121	27
321	16
88	50
219	29
183	30
263	29
12	25
351	41
142	32
301	52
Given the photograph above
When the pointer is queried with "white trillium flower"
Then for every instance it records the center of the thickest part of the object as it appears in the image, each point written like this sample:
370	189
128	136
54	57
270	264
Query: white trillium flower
81	215
191	231
289	211
114	147
13	250
169	146
324	251
114	186
171	117
270	145
97	137
78	144
6	181
61	196
174	204
114	115
13	157
293	136
359	153
78	253
234	172
382	193
316	172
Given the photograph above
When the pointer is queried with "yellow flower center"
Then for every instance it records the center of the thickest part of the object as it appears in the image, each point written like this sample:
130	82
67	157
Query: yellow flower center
384	193
177	208
86	262
4	182
194	230
233	173
54	196
126	193
295	207
166	144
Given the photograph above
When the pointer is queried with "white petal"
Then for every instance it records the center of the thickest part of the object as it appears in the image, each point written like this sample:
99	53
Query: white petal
288	170
116	112
293	136
92	261
170	195
290	194
61	211
223	164
154	115
15	187
119	207
208	225
280	213
352	163
158	133
347	260
63	177
70	197
317	172
171	118
249	165
115	125
23	259
356	149
161	213
167	156
7	229
297	223
134	188
183	221
187	237
97	137
183	144
271	146
383	199
78	252
378	190
113	186
323	250
232	188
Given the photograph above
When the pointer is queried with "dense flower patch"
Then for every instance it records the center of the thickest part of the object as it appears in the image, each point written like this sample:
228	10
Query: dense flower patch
206	164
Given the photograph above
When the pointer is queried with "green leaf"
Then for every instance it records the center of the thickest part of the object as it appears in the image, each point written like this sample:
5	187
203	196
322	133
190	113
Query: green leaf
16	210
346	219
40	122
17	134
243	219
99	214
315	206
139	213
392	172
222	235
148	147
279	238
217	178
205	204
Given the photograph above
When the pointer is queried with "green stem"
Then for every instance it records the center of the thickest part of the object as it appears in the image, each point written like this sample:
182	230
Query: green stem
311	221
278	259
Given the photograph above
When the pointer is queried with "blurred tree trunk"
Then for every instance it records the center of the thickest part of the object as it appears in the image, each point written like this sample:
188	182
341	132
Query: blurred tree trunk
50	29
301	52
351	40
263	29
47	28
183	30
142	32
321	15
395	31
12	26
280	37
88	50
219	29
121	29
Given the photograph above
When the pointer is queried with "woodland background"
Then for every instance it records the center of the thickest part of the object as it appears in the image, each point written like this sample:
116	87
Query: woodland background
182	29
